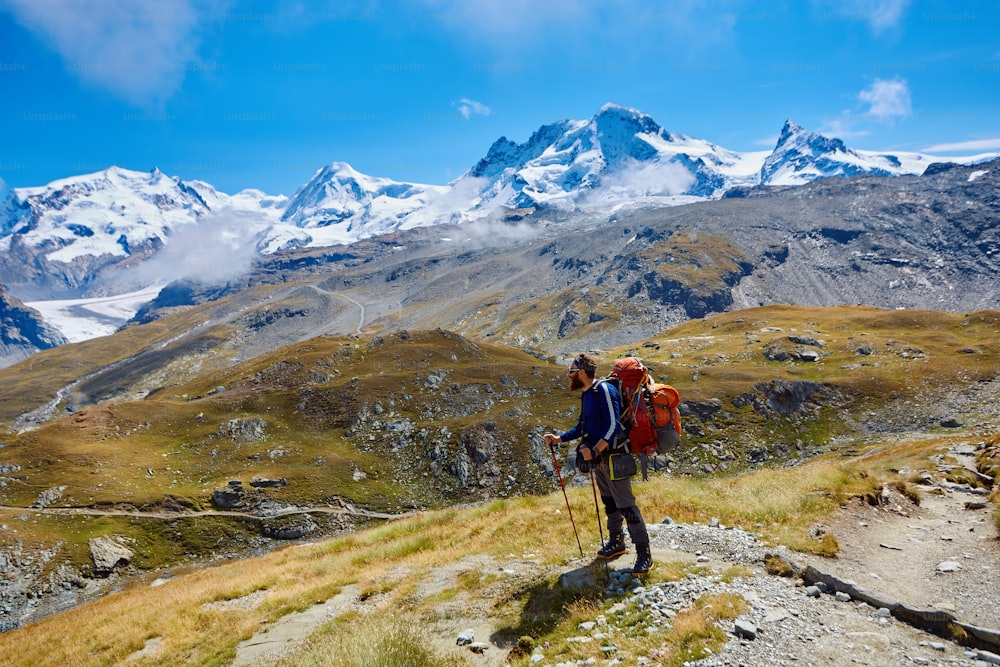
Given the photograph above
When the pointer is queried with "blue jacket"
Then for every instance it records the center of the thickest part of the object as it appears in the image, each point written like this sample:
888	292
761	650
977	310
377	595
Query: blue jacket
601	415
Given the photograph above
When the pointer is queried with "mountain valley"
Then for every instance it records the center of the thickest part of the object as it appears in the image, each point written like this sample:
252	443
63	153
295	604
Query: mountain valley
290	392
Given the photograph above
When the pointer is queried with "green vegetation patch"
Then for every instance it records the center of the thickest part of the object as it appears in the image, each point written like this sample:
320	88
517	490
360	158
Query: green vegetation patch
702	262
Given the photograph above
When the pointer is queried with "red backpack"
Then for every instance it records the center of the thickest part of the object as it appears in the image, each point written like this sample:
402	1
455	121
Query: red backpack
649	410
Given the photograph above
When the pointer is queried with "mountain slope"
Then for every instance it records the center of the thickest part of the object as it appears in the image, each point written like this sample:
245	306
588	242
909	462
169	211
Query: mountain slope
320	432
110	232
564	283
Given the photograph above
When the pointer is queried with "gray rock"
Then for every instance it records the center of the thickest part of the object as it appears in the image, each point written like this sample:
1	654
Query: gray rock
807	355
775	616
986	656
466	637
264	482
227	498
745	629
107	554
246	431
48	496
288	528
807	340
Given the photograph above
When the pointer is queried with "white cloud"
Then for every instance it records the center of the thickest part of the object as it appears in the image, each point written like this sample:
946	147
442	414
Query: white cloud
887	99
638	179
469	108
220	246
885	14
975	145
136	49
504	19
880	15
462	194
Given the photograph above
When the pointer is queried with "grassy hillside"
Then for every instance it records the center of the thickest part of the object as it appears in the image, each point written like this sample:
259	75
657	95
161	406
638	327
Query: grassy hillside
385	423
354	429
497	562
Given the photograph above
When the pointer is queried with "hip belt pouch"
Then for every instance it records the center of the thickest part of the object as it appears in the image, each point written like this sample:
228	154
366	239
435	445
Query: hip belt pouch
622	466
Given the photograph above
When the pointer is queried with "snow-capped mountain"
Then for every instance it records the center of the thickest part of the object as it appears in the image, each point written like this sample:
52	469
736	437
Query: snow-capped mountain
113	212
616	156
58	239
801	156
59	236
342	205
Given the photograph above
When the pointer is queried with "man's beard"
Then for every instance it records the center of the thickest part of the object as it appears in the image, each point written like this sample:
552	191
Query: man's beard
575	383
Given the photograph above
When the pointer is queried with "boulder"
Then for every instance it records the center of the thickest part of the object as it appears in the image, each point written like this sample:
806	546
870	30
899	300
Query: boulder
264	482
227	498
107	555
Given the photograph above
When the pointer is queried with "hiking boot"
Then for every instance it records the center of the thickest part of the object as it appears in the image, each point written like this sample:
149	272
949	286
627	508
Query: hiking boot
614	548
643	561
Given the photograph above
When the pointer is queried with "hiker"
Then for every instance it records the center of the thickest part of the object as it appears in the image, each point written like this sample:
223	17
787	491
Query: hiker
600	428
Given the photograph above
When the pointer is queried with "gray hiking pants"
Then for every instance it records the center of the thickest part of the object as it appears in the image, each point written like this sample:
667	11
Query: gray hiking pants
619	504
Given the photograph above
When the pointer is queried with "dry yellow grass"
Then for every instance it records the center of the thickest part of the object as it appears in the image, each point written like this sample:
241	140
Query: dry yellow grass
781	505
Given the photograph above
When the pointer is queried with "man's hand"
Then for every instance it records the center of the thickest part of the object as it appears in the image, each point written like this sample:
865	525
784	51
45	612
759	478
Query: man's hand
591	453
552	439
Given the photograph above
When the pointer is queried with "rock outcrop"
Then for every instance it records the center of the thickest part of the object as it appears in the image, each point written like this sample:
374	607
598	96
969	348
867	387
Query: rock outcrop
23	331
108	555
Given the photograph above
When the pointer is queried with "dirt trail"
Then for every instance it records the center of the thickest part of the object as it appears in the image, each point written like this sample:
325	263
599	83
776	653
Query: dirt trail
185	514
938	555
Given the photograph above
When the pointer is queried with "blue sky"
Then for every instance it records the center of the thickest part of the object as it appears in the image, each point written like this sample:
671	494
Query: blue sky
261	94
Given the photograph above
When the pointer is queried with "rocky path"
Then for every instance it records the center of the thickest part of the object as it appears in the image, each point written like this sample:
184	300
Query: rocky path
172	515
943	554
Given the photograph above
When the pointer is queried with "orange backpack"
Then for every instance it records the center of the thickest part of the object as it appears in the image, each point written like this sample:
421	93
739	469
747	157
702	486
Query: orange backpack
649	410
664	401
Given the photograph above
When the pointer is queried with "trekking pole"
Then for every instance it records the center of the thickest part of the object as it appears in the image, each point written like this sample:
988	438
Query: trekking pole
597	511
555	462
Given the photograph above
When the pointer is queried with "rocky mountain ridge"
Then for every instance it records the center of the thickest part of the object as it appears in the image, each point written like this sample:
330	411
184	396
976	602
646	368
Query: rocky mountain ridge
580	282
23	331
87	235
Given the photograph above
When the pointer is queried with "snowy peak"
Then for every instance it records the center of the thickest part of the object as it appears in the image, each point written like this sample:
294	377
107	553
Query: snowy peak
795	137
801	156
617	155
105	201
505	154
66	233
621	133
340	205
